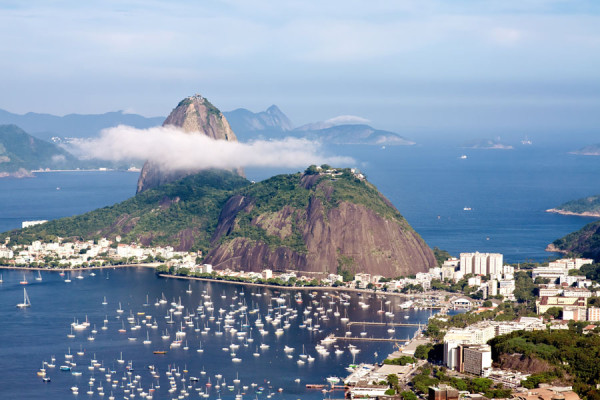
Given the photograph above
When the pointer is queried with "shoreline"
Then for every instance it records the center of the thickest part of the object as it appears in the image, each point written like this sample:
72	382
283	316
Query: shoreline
309	288
583	214
81	170
147	265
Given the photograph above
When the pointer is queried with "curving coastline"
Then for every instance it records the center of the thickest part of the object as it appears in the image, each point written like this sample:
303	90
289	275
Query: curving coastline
308	288
565	212
146	265
551	248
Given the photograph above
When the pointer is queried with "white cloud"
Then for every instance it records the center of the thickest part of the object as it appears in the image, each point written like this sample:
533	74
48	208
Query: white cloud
58	158
347	119
174	149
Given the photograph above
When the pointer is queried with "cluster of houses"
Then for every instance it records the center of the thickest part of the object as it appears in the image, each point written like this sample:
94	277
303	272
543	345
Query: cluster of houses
83	253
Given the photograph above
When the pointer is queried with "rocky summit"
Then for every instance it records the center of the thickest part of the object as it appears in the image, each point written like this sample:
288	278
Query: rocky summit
196	116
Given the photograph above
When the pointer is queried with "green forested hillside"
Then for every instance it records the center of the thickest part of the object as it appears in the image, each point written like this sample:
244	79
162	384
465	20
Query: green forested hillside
573	356
307	221
156	216
19	150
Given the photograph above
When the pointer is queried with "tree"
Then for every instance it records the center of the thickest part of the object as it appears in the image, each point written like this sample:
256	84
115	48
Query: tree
408	395
553	312
392	380
487	303
481	385
312	170
422	351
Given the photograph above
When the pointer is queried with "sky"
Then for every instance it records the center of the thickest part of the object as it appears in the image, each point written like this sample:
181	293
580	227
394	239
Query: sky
405	65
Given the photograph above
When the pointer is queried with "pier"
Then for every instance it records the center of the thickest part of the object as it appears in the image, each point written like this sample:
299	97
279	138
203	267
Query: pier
382	323
370	339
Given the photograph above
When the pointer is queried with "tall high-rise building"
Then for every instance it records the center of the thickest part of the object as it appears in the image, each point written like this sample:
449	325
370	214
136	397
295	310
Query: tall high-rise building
481	263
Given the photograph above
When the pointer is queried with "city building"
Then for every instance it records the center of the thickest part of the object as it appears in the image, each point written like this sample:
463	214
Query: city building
546	302
593	314
443	392
481	263
477	360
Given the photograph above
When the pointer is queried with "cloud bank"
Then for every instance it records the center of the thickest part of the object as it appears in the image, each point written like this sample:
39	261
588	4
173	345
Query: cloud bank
174	149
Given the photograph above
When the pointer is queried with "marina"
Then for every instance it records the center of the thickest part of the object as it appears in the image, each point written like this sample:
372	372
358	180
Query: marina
138	334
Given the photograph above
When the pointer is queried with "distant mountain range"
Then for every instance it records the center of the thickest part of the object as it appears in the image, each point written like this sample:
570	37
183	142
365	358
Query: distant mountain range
247	124
274	124
47	126
267	125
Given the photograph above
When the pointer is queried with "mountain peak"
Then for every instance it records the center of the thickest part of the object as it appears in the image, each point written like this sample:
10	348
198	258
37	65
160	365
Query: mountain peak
273	110
194	115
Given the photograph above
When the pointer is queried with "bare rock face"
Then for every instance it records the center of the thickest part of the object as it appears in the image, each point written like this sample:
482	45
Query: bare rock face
194	115
348	236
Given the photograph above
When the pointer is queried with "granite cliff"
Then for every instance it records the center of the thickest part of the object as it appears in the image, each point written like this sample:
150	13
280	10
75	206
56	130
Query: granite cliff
308	222
194	115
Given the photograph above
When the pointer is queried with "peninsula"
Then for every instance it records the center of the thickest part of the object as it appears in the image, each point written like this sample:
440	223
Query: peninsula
584	207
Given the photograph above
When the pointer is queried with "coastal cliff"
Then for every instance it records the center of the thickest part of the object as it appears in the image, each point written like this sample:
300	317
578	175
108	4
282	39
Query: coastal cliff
194	115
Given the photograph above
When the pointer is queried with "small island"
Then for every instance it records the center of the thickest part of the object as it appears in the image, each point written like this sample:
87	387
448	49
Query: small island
585	207
591	150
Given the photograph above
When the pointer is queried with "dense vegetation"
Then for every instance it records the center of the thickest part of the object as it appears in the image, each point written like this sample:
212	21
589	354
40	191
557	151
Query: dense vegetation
573	355
584	242
589	204
591	271
440	255
158	215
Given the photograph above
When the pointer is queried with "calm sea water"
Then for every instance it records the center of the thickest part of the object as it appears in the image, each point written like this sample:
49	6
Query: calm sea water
507	192
29	337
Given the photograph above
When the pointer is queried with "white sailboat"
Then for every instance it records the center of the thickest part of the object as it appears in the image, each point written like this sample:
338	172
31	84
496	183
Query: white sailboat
39	277
26	303
68	280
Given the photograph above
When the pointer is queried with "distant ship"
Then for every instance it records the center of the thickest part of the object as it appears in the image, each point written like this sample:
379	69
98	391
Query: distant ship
526	141
463	157
467	209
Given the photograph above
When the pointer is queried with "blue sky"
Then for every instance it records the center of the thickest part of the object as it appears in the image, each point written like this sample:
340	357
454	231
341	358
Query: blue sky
405	65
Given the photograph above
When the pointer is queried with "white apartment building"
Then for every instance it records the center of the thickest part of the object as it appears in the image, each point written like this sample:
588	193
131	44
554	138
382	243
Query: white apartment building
481	263
593	314
477	359
576	292
267	274
570	263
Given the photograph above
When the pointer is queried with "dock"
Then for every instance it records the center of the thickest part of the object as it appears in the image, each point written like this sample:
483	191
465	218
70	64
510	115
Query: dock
382	323
370	339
